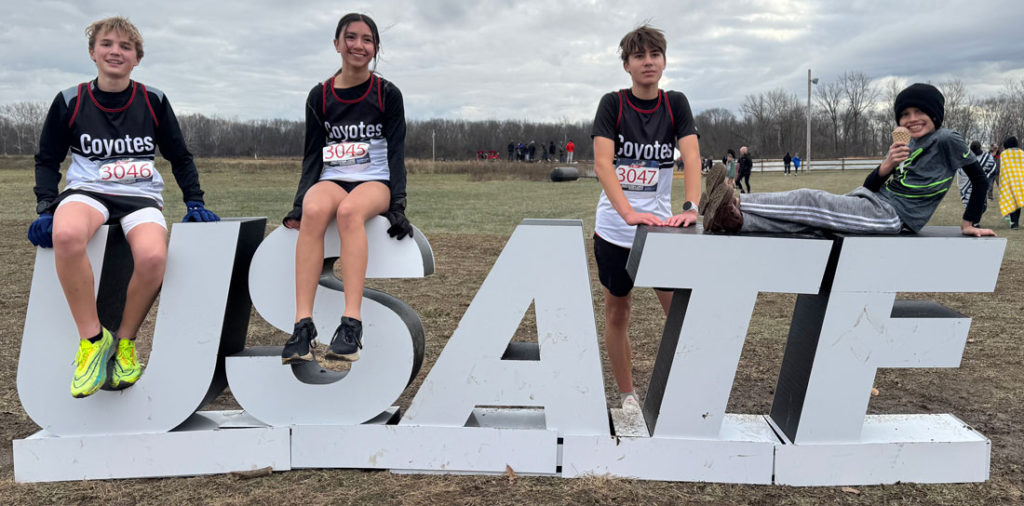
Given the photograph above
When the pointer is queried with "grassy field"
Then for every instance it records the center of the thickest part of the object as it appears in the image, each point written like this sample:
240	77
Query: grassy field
467	211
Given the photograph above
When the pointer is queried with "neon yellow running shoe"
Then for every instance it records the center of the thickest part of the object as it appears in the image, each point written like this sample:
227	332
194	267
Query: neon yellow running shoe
125	369
91	365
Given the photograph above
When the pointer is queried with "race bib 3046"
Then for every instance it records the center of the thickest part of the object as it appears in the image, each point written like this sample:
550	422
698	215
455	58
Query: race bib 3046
127	171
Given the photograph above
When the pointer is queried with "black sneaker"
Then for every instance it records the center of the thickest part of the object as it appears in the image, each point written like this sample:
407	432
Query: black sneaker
347	340
299	347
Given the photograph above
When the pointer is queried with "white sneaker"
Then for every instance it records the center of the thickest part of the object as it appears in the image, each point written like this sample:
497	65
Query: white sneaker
630	403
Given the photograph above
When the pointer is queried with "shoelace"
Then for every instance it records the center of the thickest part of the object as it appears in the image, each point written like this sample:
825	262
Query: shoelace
83	350
348	337
126	354
300	333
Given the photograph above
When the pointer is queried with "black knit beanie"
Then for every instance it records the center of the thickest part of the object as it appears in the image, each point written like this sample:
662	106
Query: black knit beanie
1010	142
925	97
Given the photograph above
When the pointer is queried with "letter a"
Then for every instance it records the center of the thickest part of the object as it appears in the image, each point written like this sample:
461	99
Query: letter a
545	263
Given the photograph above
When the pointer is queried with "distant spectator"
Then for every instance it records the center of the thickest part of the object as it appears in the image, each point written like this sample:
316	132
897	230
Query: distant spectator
730	167
993	151
746	166
531	152
569	149
1011	182
786	161
988	166
796	164
551	150
511	150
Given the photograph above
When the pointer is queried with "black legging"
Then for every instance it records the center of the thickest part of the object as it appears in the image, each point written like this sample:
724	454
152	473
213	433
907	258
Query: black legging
740	179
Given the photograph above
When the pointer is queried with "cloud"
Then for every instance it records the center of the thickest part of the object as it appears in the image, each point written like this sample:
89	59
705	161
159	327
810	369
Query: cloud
529	59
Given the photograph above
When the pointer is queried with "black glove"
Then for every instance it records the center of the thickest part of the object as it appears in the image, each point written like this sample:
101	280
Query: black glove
294	214
400	226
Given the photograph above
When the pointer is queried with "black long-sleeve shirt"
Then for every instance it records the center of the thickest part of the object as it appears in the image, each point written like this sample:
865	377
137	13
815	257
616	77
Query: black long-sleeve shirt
55	140
316	140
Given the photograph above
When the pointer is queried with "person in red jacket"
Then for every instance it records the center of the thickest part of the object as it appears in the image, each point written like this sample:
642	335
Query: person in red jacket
569	148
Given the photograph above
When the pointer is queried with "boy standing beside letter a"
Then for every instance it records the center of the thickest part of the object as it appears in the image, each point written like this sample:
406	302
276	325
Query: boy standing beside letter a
635	133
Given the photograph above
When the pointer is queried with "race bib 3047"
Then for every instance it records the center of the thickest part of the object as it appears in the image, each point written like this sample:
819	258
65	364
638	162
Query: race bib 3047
638	175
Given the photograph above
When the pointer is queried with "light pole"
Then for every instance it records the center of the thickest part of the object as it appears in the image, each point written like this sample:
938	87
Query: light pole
807	154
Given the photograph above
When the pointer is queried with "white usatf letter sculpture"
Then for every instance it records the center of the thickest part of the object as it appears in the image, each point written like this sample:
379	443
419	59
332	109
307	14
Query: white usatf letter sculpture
489	403
692	436
392	334
543	264
202	315
856	325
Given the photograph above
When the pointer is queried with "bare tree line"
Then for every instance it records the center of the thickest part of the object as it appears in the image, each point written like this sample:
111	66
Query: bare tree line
850	116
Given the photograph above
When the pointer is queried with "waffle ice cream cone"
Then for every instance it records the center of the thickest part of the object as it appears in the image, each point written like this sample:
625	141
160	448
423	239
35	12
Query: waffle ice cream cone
901	134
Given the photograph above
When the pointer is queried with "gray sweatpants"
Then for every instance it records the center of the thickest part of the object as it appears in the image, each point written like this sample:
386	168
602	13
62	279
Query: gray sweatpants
861	211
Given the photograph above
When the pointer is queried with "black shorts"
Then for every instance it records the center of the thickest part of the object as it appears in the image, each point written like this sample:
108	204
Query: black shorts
118	206
348	186
611	267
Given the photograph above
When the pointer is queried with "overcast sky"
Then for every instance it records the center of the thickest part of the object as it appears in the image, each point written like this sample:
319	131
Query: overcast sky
538	60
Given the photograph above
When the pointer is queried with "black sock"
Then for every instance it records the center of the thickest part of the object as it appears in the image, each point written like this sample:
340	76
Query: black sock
95	339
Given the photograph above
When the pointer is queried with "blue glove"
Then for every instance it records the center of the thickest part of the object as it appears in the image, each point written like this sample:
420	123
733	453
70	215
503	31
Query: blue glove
40	232
196	212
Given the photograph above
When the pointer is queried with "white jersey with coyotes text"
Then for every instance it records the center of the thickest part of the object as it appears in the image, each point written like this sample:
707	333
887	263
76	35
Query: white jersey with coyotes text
113	150
643	165
356	149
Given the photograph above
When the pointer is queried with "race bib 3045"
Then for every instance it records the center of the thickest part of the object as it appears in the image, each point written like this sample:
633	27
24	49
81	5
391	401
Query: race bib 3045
347	154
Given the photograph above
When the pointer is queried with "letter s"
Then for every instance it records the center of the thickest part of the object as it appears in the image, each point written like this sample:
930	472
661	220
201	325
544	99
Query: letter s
393	337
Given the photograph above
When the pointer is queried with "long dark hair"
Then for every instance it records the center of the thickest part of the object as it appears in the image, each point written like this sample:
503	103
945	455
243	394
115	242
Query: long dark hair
352	17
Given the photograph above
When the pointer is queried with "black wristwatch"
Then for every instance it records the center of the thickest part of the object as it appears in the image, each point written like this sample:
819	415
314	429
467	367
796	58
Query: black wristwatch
42	206
689	206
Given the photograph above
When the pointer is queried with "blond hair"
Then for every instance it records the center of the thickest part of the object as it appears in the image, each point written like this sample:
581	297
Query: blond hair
642	38
119	24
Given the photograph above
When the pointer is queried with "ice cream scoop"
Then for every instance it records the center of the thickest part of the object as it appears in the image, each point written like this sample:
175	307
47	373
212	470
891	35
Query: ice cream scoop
901	134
